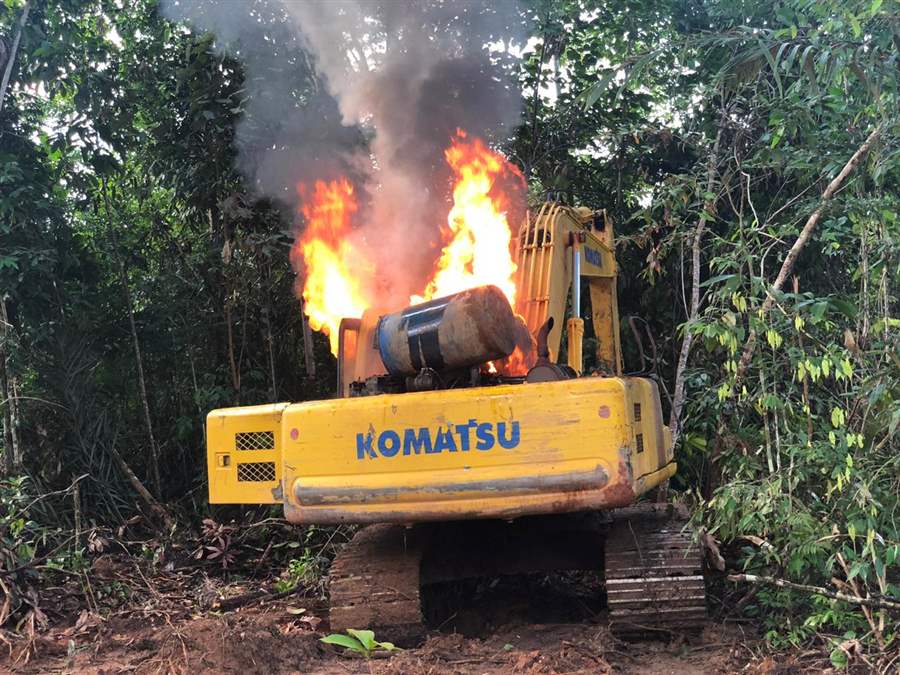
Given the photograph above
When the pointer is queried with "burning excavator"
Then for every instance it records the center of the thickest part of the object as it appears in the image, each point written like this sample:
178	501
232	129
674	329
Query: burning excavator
457	437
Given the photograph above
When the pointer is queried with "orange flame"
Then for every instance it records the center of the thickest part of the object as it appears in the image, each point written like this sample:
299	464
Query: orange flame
337	273
517	363
333	287
477	249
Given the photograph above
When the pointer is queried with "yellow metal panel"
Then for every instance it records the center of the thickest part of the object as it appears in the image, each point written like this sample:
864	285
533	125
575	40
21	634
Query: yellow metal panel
503	451
542	274
597	259
482	452
605	315
649	439
576	339
243	453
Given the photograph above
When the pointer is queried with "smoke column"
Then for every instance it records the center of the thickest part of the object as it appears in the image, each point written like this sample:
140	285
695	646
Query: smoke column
400	76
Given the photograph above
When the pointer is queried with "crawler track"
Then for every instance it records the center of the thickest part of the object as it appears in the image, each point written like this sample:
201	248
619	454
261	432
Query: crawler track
374	583
654	573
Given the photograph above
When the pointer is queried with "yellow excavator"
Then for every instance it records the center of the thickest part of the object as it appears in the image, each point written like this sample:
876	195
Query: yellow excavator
459	469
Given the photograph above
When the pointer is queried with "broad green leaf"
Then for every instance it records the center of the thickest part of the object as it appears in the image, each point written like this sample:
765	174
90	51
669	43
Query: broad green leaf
599	88
366	637
345	641
837	417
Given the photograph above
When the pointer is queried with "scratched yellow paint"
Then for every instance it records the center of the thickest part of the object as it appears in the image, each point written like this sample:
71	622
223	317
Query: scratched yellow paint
223	457
591	442
349	456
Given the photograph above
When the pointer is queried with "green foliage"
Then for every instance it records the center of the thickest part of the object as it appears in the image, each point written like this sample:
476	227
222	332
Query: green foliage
360	641
120	198
805	480
306	570
119	193
29	539
18	533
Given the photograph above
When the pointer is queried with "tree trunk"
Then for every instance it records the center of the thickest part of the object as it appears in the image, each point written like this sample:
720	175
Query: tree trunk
232	359
267	320
5	398
16	419
157	509
11	390
806	402
535	104
688	340
142	386
12	453
142	383
7	72
307	343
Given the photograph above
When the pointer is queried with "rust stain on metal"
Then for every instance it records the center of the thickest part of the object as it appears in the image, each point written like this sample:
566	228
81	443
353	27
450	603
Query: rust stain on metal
278	492
573	482
585	500
621	493
579	497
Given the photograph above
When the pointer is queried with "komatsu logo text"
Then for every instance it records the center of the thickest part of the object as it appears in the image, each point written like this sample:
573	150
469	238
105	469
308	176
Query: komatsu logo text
473	435
593	256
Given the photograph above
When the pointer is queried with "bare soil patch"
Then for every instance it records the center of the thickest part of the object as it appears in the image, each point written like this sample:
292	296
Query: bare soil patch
174	623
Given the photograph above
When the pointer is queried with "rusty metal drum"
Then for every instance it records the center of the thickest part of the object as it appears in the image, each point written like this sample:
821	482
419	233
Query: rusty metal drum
451	333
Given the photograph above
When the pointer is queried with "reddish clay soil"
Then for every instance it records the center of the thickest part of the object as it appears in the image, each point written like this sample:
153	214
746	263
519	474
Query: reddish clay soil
175	623
269	638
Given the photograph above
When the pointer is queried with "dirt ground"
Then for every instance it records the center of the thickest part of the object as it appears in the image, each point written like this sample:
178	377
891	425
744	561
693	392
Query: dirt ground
190	623
272	638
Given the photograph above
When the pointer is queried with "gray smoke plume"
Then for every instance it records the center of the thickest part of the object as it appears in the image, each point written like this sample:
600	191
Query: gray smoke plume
402	75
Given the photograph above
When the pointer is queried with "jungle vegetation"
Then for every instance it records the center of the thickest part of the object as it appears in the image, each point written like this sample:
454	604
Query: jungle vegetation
747	151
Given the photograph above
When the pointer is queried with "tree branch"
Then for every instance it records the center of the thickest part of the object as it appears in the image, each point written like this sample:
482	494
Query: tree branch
7	72
155	507
788	265
686	343
818	590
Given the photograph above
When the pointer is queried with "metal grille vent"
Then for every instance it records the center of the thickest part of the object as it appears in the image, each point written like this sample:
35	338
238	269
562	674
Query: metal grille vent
254	440
637	412
638	441
256	472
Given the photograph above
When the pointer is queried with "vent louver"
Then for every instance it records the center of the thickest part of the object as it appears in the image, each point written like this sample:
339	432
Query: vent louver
256	472
254	440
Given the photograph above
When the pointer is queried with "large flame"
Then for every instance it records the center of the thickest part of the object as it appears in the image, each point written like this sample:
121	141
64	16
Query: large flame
477	249
337	273
333	286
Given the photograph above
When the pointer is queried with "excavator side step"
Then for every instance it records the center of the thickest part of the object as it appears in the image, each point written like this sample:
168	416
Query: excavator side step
654	574
374	584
